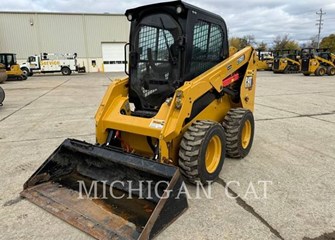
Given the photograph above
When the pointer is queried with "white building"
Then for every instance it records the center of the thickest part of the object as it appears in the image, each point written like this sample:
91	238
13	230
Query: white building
98	39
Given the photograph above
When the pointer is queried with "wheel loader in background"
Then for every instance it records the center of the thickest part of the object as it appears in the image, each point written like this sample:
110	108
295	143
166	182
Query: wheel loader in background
317	61
12	68
185	106
286	61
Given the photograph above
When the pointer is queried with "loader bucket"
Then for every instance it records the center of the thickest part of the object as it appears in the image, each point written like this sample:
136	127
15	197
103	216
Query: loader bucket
107	193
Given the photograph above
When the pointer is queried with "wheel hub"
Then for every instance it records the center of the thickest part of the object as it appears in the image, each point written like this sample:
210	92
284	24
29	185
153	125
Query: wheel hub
246	134
213	154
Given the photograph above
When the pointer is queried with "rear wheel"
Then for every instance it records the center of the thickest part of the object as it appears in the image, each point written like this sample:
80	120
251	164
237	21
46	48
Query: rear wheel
320	71
66	71
23	77
331	71
202	151
239	126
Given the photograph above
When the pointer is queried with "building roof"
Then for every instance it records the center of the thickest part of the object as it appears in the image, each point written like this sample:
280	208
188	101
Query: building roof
61	13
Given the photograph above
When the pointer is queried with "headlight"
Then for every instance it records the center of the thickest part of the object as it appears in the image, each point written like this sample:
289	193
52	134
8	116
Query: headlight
130	17
179	10
248	82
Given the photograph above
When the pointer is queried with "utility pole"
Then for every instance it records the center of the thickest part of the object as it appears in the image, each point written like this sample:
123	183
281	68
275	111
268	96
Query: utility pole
319	23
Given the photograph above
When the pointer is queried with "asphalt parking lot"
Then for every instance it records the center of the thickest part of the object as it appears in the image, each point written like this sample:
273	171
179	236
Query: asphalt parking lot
293	151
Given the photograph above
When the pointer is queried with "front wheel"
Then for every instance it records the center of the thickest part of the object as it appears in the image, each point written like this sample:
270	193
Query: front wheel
25	71
202	151
239	125
320	71
331	71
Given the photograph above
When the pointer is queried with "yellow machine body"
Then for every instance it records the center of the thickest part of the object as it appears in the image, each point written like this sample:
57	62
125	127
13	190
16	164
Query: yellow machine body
15	72
168	126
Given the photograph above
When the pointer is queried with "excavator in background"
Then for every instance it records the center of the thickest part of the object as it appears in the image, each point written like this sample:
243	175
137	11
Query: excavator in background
3	73
286	61
186	105
317	61
12	68
265	60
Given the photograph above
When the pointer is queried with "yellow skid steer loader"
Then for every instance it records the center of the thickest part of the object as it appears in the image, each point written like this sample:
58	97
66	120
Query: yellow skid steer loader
286	61
185	105
318	62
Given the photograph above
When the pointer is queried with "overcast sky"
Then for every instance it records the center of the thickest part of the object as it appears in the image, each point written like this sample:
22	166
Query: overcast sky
261	18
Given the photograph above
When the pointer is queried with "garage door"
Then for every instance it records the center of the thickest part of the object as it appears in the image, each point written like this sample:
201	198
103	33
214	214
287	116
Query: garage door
113	57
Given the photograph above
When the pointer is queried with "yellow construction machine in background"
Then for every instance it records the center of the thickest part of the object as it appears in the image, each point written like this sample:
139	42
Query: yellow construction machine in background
12	68
286	61
186	105
265	60
318	62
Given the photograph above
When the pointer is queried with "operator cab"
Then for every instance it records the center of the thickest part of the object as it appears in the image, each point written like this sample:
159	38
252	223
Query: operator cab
171	43
8	59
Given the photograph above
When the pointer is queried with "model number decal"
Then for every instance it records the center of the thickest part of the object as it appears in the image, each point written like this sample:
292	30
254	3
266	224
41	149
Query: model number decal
156	123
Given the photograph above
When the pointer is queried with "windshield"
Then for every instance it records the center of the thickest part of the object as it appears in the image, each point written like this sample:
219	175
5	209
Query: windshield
31	59
157	69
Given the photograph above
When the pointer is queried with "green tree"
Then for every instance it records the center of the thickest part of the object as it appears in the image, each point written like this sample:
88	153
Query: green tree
262	46
234	42
241	43
284	42
328	42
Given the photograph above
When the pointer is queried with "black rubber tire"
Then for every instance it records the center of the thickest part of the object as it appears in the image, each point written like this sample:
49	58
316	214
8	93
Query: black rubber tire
2	96
233	124
23	77
331	71
306	74
193	148
320	71
25	71
31	73
66	71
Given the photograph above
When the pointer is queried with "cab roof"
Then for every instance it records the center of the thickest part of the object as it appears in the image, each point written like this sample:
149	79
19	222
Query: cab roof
184	5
